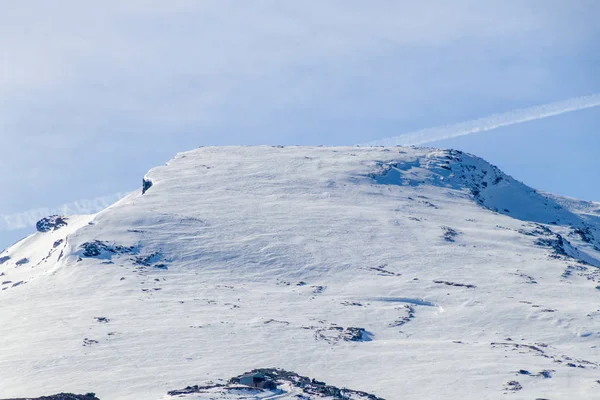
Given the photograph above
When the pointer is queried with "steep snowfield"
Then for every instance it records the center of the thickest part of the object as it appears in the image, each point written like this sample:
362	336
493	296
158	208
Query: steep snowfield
405	273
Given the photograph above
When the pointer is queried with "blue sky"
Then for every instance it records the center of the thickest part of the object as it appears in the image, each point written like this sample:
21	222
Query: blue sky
93	95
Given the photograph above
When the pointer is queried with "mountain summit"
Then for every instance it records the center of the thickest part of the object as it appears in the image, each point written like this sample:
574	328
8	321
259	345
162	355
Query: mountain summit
399	273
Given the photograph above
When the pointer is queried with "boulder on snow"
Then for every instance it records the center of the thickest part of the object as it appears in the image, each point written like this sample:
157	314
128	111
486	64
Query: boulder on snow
51	223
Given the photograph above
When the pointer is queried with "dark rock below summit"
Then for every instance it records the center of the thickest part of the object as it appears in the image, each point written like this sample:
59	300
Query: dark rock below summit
63	396
51	223
276	378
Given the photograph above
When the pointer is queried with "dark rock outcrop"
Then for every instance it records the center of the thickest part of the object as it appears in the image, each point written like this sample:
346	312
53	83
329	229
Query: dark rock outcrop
97	248
276	378
63	396
450	234
51	223
146	184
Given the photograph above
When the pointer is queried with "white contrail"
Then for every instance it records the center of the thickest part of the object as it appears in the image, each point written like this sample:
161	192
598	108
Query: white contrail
488	123
28	218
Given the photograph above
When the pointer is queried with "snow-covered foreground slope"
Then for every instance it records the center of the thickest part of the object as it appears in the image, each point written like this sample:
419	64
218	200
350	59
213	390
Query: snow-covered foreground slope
404	273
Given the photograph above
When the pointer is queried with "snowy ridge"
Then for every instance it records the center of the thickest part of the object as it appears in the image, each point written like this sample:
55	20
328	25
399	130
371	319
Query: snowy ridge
489	186
403	273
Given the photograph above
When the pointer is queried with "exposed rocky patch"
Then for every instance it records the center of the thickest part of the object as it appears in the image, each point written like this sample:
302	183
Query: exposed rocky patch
63	396
556	243
351	303
487	184
538	230
561	248
513	386
51	223
409	314
89	342
528	278
450	234
98	248
22	261
4	259
151	260
318	289
334	334
543	350
265	381
546	374
585	234
574	269
275	321
382	271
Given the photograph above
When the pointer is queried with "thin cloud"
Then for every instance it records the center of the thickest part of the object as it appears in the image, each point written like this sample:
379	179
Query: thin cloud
27	219
489	123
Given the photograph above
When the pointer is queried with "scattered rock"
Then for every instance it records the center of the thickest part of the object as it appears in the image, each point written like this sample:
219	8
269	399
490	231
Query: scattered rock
4	259
22	261
270	321
455	284
449	234
542	350
148	260
89	342
513	386
571	269
334	334
382	271
528	279
409	315
318	289
352	303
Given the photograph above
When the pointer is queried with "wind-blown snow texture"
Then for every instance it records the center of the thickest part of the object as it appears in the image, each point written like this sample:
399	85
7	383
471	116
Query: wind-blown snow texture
402	273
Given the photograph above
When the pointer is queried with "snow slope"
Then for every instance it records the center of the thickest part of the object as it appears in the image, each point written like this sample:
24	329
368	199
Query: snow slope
402	272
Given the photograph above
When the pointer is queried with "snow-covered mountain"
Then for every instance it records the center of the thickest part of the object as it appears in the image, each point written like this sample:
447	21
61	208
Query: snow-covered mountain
399	273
